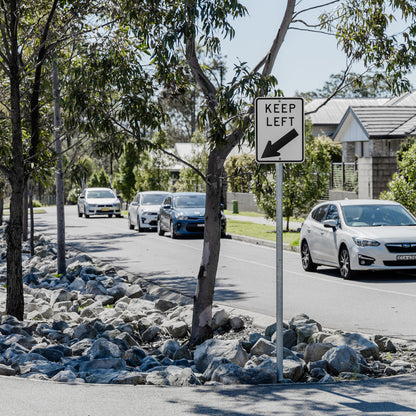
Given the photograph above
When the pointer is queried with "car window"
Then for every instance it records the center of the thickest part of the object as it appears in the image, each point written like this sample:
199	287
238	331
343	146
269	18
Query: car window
167	201
332	213
377	216
319	213
152	199
100	194
190	201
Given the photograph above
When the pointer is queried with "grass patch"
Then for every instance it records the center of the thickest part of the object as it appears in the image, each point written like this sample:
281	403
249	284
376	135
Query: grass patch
244	214
264	232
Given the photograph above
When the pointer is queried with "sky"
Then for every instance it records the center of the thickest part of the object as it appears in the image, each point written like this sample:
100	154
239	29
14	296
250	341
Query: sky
306	59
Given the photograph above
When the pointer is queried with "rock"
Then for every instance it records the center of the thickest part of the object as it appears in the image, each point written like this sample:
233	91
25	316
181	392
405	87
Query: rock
134	378
220	319
385	344
134	356
134	291
236	323
361	344
77	285
150	334
177	329
304	330
44	367
85	330
181	377
60	296
102	348
164	305
50	353
342	359
263	346
113	364
169	348
293	368
6	370
224	371
207	351
95	288
65	376
315	352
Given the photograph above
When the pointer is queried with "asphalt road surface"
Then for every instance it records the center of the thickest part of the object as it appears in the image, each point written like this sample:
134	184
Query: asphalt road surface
374	304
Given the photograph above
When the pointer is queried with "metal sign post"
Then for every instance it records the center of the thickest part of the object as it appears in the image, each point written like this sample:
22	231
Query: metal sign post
279	138
279	271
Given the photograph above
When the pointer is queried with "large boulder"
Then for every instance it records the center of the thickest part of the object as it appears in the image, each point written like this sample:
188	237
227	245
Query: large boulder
315	352
230	349
342	359
359	343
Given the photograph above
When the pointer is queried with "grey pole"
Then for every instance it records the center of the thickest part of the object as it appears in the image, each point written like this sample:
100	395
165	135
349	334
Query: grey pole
279	271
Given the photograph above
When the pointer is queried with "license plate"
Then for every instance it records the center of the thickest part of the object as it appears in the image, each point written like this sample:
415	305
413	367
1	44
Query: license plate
105	209
406	257
200	225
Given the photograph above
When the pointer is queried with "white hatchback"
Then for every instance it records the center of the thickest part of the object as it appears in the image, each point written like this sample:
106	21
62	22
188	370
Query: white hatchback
355	235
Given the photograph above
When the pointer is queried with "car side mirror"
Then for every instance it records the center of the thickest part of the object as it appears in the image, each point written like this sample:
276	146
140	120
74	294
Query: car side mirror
81	197
134	204
330	224
167	206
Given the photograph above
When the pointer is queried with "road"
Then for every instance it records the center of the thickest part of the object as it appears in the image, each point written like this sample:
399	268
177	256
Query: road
374	304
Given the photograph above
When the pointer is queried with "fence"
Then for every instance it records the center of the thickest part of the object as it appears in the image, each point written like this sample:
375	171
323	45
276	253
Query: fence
344	177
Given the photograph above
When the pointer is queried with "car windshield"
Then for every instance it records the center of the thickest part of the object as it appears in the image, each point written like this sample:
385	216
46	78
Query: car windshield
153	199
377	216
189	201
100	194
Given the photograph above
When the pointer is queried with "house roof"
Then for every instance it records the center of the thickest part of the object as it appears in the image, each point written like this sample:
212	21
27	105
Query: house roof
333	112
383	121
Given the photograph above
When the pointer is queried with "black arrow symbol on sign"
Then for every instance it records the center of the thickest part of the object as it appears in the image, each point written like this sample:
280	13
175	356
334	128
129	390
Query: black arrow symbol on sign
272	150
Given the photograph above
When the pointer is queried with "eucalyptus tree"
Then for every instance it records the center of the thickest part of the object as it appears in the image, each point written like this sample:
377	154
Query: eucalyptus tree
32	35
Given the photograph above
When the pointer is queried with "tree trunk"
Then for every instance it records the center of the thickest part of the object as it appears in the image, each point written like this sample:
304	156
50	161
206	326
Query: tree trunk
1	209
60	197
25	215
204	294
15	302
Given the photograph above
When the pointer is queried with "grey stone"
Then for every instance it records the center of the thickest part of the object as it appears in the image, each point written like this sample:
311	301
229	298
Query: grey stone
134	356
236	323
150	334
95	288
60	296
44	367
65	376
133	377
102	348
50	353
220	319
78	284
361	344
164	305
293	368
315	352
6	370
85	330
113	364
230	349
169	348
177	329
263	346
342	359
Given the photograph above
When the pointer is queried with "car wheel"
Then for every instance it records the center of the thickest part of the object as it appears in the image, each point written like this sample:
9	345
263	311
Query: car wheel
110	215
159	228
307	263
172	231
131	226
79	213
345	264
139	229
86	215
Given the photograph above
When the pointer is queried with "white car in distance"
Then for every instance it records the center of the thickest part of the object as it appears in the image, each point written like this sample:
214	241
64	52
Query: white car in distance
98	201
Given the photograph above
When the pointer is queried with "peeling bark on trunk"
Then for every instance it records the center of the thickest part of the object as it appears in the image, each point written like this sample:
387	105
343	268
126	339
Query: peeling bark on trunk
204	294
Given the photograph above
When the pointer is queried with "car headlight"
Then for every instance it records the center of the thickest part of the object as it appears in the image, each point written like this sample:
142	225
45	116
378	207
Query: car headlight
363	242
91	206
116	206
181	217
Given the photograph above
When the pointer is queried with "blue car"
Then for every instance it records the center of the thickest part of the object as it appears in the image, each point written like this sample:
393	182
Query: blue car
183	213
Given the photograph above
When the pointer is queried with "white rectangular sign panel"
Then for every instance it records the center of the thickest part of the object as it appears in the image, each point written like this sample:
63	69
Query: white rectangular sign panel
280	129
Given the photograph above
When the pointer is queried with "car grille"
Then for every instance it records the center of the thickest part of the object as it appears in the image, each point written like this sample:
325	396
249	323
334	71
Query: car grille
401	247
393	263
193	228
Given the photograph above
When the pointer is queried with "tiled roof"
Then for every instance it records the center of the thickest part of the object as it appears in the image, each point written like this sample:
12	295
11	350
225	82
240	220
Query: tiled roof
333	111
387	120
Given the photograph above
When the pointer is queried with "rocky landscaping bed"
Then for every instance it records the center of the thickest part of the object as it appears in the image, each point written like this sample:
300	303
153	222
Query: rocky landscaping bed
102	325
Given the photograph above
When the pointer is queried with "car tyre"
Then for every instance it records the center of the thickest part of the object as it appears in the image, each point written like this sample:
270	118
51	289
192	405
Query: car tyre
79	213
131	226
307	263
139	229
345	264
159	228
86	215
172	231
110	215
